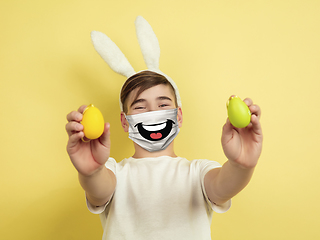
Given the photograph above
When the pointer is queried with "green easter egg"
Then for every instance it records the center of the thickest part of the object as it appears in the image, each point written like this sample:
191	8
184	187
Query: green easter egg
238	112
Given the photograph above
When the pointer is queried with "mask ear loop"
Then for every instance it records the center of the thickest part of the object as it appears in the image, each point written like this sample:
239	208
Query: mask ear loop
125	116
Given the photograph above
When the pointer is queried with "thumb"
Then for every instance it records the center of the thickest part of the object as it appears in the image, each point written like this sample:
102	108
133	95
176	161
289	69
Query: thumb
101	146
227	132
105	137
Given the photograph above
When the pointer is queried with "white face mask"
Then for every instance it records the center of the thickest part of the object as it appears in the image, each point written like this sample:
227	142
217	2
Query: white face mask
154	130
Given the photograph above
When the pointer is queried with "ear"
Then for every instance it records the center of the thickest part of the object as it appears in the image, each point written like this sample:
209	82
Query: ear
124	122
179	117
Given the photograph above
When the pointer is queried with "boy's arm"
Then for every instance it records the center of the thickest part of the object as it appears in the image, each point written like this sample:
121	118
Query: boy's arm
221	184
99	187
242	147
89	158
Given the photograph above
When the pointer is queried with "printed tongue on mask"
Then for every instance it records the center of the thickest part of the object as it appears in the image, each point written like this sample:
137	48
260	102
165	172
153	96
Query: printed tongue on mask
155	135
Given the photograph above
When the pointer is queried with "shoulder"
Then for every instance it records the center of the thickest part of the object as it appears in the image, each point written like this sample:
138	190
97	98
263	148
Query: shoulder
203	163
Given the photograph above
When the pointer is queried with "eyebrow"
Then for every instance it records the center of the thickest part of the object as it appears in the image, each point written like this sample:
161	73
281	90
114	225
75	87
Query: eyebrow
164	98
141	100
138	101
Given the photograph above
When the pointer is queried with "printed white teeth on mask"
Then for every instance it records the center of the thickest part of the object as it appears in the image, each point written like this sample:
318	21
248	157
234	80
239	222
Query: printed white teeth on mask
155	127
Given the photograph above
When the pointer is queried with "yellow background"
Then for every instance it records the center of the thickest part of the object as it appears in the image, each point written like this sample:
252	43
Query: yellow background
266	50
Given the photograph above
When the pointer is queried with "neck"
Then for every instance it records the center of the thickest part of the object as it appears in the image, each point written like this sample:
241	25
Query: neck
142	153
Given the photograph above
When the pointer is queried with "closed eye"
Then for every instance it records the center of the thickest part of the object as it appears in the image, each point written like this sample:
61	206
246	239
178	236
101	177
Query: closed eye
139	107
163	105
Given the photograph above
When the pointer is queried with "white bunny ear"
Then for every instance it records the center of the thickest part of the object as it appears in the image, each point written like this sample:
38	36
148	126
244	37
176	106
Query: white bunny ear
148	43
150	49
111	54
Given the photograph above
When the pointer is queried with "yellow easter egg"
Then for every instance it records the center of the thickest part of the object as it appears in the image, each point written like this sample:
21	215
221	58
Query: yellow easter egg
238	112
93	122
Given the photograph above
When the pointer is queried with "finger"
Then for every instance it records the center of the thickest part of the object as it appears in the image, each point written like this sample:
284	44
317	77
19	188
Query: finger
105	137
82	108
256	126
74	139
74	116
101	148
227	132
248	101
255	110
73	127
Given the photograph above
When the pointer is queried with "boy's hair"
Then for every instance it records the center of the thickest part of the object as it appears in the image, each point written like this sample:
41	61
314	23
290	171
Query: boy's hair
142	80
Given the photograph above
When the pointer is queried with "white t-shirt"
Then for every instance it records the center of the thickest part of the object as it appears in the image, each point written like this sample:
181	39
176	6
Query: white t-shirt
159	198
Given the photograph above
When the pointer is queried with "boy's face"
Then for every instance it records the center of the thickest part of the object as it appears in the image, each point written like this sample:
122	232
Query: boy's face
159	97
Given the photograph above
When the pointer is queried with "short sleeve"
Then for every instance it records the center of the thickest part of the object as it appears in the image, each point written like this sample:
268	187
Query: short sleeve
110	164
205	167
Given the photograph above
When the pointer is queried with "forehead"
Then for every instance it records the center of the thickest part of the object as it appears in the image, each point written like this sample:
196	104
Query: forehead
151	93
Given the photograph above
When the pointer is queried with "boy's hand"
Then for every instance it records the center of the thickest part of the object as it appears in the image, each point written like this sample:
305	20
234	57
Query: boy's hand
243	146
87	156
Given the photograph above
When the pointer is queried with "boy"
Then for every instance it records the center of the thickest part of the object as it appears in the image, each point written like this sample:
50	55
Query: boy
154	194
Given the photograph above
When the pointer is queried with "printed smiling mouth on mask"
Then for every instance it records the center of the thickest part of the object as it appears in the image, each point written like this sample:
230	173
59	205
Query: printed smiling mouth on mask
155	132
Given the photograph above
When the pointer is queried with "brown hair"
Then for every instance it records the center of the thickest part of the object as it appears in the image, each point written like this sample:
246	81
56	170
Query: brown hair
142	80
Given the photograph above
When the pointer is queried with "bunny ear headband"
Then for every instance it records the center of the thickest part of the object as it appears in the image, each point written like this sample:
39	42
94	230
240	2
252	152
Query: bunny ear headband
150	49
